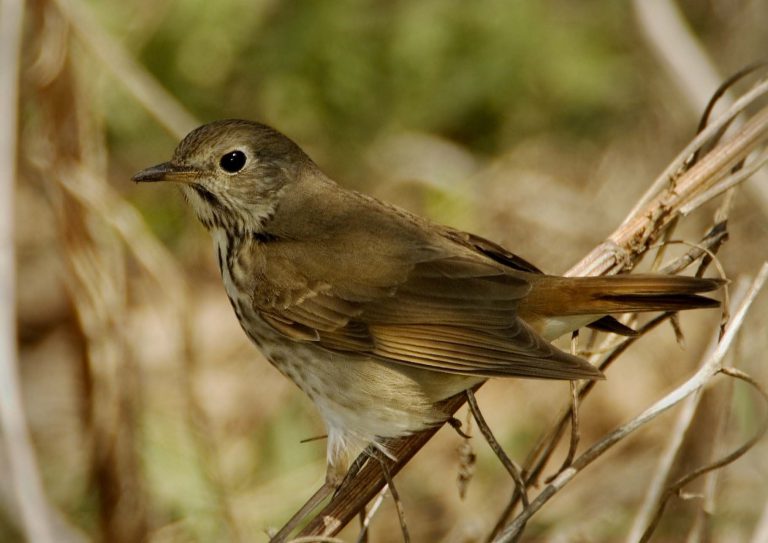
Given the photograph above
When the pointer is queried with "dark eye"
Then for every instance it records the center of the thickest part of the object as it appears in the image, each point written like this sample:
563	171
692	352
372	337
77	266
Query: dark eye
232	162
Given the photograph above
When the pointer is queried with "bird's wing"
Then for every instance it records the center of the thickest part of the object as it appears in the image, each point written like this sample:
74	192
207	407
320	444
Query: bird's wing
499	254
444	310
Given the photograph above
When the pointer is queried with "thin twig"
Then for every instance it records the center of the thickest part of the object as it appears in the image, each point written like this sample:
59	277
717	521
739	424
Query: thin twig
726	183
316	539
644	225
395	497
512	468
671	450
467	459
710	243
689	65
573	444
711	367
746	100
540	454
700	250
677	486
701	527
362	515
372	510
575	435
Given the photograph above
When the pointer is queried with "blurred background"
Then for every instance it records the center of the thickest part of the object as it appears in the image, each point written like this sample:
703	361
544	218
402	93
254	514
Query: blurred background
534	124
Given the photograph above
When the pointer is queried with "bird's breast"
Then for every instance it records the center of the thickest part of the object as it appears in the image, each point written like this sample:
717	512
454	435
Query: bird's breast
356	394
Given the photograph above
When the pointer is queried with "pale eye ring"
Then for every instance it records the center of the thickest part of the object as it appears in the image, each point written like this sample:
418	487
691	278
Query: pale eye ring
232	162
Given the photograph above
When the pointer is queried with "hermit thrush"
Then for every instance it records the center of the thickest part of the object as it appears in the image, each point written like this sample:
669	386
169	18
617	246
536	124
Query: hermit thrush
375	313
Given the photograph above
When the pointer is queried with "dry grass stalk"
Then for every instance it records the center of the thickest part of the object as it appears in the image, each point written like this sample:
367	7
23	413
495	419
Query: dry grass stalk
30	496
647	222
512	468
676	488
369	514
608	353
113	57
96	280
95	199
711	367
688	411
687	64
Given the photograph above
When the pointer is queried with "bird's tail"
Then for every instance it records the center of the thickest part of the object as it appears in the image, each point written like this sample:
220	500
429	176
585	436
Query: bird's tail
563	297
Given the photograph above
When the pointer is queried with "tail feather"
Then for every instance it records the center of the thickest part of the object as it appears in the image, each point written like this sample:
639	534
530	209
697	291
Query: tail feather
567	296
611	325
628	303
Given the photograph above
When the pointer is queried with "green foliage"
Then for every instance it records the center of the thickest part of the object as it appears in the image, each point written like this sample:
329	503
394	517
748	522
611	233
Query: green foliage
338	74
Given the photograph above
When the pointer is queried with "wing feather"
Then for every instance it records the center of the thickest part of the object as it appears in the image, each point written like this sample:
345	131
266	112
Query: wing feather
450	316
519	352
398	289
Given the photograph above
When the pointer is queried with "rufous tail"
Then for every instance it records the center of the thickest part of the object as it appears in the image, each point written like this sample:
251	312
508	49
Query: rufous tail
607	295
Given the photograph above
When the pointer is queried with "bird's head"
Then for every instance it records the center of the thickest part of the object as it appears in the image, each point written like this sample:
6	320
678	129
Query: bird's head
232	172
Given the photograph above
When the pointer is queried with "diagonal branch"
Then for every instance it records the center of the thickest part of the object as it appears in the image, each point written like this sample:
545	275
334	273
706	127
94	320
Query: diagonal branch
677	486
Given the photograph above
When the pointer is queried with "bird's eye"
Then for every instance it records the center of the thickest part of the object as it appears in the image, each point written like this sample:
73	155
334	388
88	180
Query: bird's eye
232	162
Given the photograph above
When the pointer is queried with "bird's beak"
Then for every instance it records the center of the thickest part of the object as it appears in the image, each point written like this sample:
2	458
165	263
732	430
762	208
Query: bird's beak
167	171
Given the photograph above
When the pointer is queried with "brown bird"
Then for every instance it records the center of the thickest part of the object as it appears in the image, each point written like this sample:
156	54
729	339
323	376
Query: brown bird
375	313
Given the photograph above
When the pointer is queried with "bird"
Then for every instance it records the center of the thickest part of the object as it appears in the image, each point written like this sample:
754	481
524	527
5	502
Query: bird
375	313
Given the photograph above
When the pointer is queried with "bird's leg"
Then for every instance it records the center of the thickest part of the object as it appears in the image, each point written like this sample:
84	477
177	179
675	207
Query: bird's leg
456	425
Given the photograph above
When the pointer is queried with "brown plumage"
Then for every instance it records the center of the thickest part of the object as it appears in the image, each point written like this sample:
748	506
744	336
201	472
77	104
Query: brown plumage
375	313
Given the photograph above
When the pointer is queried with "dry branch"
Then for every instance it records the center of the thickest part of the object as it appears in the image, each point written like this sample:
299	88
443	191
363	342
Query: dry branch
687	63
541	453
512	468
677	486
671	451
709	369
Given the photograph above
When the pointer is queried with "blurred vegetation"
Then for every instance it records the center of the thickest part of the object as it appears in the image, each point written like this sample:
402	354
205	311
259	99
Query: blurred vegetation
536	124
484	74
339	75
